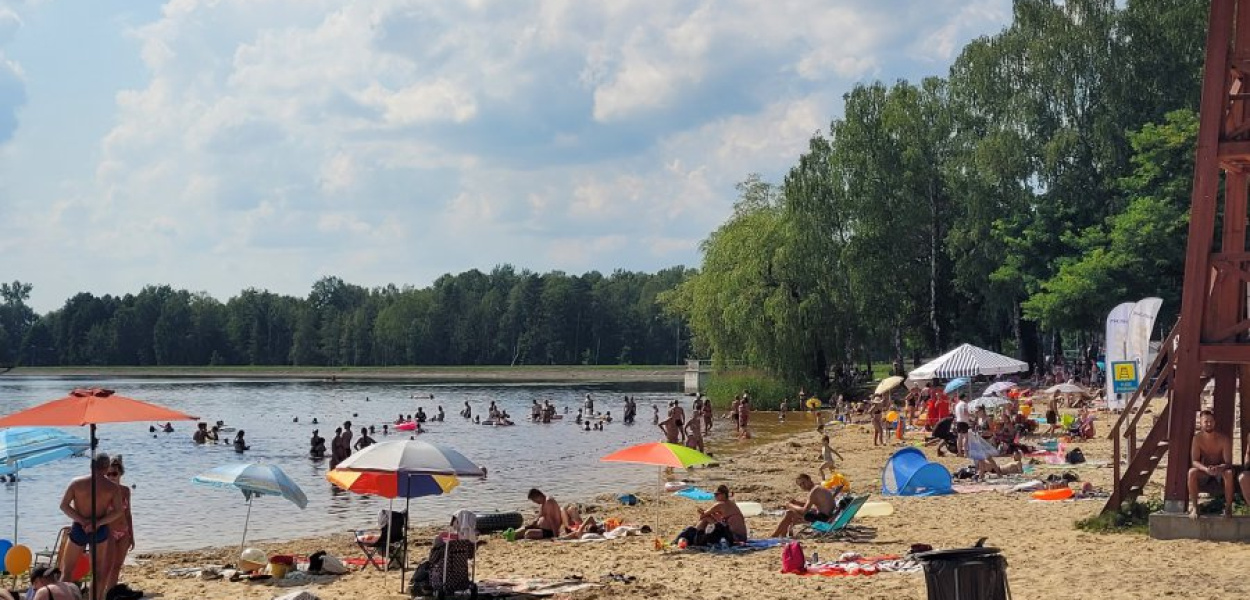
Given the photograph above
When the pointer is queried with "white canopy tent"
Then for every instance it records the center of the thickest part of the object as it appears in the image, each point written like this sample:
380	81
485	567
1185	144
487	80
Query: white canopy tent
967	361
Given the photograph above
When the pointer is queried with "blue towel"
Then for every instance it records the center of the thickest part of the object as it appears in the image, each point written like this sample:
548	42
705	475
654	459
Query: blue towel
695	494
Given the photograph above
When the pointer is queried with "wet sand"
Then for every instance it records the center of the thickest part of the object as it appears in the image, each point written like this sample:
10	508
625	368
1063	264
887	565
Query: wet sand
1048	557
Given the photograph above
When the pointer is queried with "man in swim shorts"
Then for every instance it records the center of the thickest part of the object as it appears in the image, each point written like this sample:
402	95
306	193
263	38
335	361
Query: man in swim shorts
550	518
90	527
820	506
1212	463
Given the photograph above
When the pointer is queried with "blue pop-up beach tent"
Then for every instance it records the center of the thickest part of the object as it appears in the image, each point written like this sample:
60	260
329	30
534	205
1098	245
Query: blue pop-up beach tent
909	473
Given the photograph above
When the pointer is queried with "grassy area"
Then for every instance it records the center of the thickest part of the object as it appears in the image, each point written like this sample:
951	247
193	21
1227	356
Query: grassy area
766	393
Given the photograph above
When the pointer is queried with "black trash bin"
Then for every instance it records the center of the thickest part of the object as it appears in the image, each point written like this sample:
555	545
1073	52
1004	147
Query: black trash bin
965	574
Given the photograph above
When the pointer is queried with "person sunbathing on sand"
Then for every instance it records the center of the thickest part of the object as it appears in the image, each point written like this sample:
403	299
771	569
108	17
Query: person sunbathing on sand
574	526
1212	456
820	506
550	518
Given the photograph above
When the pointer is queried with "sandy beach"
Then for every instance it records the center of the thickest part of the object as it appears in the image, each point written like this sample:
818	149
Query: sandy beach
1048	557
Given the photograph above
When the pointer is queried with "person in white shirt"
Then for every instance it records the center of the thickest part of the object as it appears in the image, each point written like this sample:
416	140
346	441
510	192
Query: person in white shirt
963	424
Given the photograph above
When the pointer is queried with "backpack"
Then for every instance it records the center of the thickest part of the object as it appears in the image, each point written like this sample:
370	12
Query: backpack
792	559
1075	456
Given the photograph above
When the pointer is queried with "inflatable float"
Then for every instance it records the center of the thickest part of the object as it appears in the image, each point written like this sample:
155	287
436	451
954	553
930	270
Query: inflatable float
1052	495
406	426
750	509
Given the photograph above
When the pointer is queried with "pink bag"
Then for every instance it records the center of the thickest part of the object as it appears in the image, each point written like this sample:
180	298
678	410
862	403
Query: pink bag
792	559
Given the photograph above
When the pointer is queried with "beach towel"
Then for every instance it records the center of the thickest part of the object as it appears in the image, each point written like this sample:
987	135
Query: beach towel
298	595
695	494
746	547
852	566
532	587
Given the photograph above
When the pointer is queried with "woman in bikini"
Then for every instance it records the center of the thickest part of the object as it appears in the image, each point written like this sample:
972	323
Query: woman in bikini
122	528
47	585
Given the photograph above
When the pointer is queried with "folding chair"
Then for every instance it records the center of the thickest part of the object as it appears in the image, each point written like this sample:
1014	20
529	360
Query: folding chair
836	526
374	542
49	557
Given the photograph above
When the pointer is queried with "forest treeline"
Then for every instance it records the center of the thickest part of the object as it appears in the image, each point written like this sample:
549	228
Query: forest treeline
504	317
1010	203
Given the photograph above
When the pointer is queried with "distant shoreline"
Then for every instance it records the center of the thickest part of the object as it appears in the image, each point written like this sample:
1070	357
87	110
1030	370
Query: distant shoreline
521	374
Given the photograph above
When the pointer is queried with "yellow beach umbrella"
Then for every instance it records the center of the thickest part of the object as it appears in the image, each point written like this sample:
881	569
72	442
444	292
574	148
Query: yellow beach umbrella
888	384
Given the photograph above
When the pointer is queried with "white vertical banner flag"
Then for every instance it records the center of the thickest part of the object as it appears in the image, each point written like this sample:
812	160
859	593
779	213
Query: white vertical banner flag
1141	324
1117	348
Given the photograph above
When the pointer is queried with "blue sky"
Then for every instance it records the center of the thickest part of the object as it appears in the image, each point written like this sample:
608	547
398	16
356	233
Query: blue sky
222	144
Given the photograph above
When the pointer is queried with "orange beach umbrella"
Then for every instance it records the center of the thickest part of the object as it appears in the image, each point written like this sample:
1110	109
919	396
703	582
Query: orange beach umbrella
660	454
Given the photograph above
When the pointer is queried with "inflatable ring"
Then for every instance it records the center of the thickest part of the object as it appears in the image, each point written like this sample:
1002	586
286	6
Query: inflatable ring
1056	494
406	426
499	521
813	403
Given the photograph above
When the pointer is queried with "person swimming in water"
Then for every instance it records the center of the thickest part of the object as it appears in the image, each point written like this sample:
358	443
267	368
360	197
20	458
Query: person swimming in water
240	445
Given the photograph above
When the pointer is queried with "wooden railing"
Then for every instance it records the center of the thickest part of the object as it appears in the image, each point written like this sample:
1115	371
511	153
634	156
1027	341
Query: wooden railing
1158	374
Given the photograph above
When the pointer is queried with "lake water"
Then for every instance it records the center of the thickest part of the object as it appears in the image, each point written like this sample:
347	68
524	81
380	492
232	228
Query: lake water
171	513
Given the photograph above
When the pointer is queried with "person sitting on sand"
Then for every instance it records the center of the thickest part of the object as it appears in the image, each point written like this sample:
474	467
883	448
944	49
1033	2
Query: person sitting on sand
46	584
1083	427
550	518
240	445
1211	454
988	465
317	445
826	457
819	507
722	521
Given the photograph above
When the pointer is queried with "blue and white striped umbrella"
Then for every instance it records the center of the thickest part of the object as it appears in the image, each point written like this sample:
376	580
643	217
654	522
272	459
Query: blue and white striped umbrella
253	479
26	447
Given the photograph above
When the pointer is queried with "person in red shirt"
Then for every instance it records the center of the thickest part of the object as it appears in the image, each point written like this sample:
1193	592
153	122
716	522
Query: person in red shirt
943	406
930	406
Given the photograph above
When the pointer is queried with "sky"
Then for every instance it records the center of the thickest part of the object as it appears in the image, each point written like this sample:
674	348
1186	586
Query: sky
216	145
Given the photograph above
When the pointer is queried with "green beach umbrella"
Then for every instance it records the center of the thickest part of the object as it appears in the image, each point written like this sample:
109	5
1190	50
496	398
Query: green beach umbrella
662	455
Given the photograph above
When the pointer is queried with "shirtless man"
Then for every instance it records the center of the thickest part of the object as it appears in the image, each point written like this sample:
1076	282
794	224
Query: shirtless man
1212	462
820	506
201	434
77	505
707	415
550	518
672	430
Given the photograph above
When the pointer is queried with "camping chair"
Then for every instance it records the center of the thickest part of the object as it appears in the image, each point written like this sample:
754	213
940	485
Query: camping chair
837	526
450	568
373	542
50	557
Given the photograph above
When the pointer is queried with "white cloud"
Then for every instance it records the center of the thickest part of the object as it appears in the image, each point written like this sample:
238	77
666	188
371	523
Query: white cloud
278	140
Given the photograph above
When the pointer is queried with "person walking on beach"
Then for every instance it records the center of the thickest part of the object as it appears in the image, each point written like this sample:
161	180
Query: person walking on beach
733	414
123	532
707	415
91	527
878	428
826	457
963	424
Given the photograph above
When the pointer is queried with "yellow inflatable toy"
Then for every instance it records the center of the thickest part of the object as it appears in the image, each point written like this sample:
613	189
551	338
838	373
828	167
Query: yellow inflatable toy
891	416
813	403
835	480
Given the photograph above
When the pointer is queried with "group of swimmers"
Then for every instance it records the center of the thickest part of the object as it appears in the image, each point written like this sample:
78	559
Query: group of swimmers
204	435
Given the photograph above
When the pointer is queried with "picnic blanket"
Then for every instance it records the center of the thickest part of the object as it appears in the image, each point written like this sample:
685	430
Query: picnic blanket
532	587
852	565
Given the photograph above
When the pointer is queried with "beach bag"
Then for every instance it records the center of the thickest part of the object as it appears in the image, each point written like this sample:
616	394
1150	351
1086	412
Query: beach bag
1075	456
792	559
331	565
